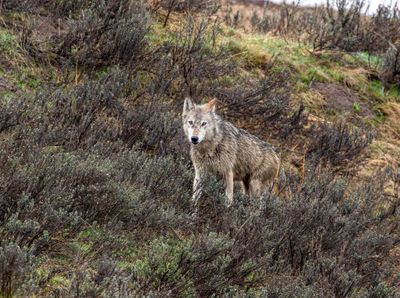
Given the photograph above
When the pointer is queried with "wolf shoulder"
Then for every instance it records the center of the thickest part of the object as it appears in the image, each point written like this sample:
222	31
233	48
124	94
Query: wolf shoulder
245	139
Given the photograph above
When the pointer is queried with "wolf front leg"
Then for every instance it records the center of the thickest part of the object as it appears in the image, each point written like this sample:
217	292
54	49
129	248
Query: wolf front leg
229	187
197	184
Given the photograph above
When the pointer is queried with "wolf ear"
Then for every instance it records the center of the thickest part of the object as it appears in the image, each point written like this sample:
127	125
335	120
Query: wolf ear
210	106
188	105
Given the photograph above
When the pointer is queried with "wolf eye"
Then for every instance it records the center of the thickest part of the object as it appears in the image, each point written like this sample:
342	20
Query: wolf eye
204	124
190	122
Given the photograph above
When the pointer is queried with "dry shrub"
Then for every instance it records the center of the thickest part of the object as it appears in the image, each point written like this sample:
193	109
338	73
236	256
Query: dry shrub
265	99
338	144
324	238
189	6
384	27
391	65
47	195
59	8
18	5
194	56
106	33
10	112
14	268
84	115
340	24
95	183
99	111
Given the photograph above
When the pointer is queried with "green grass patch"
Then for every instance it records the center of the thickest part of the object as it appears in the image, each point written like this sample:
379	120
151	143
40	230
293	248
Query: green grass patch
314	74
26	78
8	43
158	262
157	34
394	93
368	60
378	92
6	96
24	72
357	107
321	68
59	281
376	89
254	49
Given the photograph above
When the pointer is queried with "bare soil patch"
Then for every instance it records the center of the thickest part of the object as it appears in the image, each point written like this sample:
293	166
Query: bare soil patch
339	98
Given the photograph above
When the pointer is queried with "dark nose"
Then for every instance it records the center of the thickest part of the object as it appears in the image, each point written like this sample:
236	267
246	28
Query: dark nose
195	140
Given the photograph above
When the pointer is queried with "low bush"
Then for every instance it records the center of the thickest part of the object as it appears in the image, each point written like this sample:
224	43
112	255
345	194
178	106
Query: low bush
342	24
338	144
96	181
266	99
106	33
391	65
15	265
10	112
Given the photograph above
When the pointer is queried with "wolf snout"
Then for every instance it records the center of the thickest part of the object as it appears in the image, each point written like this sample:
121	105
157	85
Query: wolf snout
194	140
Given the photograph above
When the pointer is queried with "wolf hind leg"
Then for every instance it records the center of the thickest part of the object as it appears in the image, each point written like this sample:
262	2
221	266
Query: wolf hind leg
255	188
245	184
243	188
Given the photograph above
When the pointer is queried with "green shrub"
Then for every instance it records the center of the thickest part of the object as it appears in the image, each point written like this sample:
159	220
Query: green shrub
15	265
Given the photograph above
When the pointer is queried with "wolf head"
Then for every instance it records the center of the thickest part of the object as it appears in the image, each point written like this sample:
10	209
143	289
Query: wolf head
199	121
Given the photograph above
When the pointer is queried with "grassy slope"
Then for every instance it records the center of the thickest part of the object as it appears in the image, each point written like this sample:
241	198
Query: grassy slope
22	74
349	71
252	50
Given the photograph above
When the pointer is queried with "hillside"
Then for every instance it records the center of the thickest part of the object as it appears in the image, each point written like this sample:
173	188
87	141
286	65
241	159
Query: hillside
95	172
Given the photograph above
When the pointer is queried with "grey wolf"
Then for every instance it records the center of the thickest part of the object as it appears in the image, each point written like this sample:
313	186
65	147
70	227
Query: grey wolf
219	148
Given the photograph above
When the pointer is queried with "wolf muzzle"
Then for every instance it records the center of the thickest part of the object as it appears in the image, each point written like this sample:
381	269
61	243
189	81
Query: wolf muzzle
195	140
